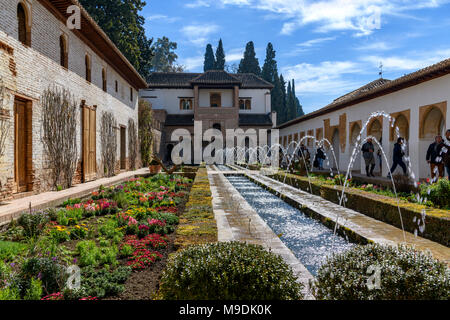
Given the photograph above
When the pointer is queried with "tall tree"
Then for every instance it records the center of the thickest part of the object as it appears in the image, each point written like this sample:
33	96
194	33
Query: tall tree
250	64
210	60
220	57
298	107
270	65
121	21
283	89
164	56
277	99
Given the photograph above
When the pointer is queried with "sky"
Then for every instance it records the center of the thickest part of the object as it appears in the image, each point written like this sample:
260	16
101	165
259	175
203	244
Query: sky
329	47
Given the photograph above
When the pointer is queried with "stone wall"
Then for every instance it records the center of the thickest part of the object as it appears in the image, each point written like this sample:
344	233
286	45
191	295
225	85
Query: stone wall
27	71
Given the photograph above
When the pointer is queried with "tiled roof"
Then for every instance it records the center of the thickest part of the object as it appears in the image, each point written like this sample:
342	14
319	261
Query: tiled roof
377	89
215	77
255	120
186	80
179	120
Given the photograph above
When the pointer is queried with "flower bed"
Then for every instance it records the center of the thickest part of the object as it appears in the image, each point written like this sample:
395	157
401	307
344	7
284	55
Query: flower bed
111	237
380	207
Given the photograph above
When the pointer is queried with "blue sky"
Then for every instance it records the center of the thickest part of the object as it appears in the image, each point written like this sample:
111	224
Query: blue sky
330	47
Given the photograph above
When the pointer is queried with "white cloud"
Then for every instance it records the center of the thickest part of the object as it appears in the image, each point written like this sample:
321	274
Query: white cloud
313	42
198	34
197	4
193	63
377	46
325	78
163	18
235	55
360	16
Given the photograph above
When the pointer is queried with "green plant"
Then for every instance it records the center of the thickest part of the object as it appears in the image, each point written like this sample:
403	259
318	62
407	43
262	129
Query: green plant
9	250
405	274
438	193
126	251
110	229
228	271
33	223
99	283
48	270
9	294
91	255
35	290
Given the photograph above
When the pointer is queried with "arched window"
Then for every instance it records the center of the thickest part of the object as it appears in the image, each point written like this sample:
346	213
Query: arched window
87	63
64	60
104	83
24	34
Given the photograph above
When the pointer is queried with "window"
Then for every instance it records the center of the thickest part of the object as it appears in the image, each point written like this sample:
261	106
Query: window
63	55
24	35
87	64
104	83
131	93
215	100
186	104
245	104
117	86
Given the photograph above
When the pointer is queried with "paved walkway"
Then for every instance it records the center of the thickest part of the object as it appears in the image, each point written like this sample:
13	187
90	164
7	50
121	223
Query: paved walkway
13	209
364	226
238	221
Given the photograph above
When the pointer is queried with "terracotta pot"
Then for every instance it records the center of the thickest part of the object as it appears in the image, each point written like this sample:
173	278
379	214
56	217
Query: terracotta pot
155	169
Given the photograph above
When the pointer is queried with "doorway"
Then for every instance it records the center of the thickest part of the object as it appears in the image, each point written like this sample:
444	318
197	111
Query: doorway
123	148
89	144
22	145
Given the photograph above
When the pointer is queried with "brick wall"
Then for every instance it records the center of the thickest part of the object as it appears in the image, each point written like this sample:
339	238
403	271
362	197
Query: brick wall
28	71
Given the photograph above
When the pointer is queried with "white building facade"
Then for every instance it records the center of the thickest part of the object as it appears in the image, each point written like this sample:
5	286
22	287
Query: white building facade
417	105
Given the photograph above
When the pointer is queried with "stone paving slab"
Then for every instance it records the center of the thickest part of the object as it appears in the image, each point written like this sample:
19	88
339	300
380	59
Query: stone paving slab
366	227
238	221
13	209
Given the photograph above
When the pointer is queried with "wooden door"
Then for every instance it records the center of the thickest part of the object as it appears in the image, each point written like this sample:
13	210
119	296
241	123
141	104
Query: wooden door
20	145
123	148
89	144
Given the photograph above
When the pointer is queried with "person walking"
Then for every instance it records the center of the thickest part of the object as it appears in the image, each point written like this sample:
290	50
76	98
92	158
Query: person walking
320	156
447	153
368	150
398	157
435	157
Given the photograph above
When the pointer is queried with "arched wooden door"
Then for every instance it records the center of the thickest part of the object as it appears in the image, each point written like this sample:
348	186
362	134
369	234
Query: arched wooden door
89	143
22	145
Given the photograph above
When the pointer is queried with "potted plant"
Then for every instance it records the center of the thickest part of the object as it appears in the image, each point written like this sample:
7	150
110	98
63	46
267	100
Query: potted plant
155	166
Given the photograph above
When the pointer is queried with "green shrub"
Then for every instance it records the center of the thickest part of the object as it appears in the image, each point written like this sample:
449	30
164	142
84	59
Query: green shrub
91	255
110	229
9	294
9	250
48	270
35	290
405	274
438	193
33	223
99	283
228	271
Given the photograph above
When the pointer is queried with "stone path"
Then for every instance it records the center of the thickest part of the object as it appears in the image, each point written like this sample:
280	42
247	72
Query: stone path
364	226
13	209
238	221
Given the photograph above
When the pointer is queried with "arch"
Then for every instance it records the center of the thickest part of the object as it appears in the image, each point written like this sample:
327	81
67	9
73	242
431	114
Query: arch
104	82
87	65
355	132
336	142
433	124
375	129
169	150
401	122
24	32
63	52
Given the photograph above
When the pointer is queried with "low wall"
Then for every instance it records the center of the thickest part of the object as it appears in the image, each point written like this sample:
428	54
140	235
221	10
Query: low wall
382	208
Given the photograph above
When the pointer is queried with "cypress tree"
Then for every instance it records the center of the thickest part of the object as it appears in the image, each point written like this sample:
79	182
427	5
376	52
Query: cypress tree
276	99
210	61
249	64
283	91
270	65
298	107
220	57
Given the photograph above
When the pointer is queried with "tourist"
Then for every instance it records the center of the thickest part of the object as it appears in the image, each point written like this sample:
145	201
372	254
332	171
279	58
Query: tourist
398	157
320	156
304	152
368	150
434	157
447	153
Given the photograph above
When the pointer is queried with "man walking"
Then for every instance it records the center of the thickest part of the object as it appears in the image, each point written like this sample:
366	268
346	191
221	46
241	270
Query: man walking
368	150
435	157
398	157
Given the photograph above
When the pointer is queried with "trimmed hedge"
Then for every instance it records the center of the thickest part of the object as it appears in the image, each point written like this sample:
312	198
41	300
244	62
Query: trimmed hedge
404	274
380	207
228	271
197	223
